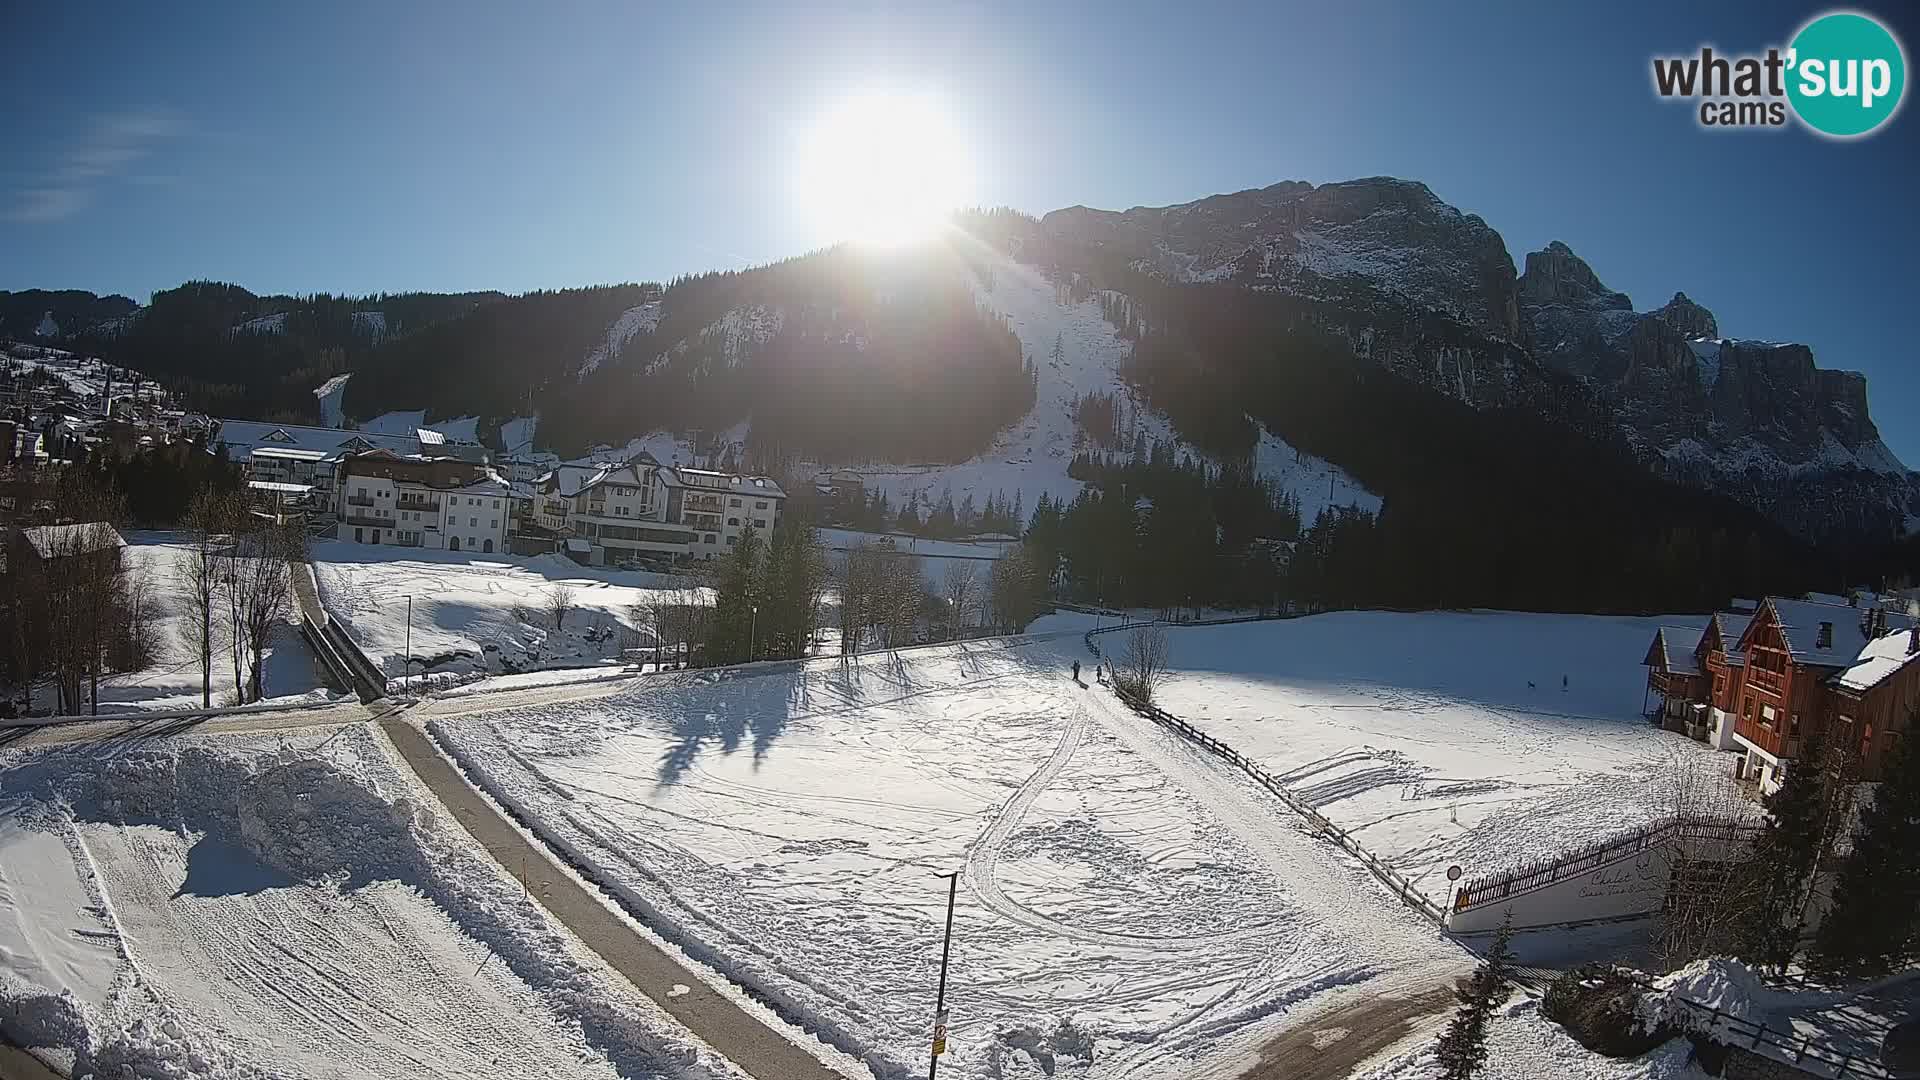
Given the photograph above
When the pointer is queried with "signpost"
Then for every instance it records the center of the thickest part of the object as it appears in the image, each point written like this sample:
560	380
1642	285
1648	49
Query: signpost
1453	874
940	1005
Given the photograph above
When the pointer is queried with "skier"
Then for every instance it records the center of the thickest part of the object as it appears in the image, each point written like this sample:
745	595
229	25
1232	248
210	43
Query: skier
1563	684
1076	671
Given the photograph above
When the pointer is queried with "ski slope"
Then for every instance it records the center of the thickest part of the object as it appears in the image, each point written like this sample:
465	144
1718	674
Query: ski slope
231	906
1126	908
1032	457
1445	737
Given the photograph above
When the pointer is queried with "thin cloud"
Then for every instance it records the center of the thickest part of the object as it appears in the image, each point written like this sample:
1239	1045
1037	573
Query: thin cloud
114	143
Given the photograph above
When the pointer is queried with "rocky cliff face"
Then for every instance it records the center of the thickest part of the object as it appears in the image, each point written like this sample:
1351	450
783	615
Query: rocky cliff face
1755	420
1393	235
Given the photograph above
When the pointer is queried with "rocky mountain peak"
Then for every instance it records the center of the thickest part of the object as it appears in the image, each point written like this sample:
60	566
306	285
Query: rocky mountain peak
1689	318
1555	275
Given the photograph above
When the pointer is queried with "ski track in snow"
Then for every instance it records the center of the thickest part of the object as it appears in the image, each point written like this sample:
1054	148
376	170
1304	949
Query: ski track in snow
783	826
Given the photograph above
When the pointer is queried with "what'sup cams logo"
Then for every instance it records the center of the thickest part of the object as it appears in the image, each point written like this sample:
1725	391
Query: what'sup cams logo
1843	76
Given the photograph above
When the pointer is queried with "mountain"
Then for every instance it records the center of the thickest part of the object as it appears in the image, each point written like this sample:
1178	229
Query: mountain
1429	292
38	314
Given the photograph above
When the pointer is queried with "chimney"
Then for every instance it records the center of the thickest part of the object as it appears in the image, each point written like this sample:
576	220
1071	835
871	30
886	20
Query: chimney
1825	640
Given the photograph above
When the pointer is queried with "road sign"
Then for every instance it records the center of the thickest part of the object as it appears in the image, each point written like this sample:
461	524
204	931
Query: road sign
940	1033
1453	872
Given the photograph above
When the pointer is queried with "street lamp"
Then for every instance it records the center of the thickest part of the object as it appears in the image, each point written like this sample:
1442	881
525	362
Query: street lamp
940	1003
406	669
753	632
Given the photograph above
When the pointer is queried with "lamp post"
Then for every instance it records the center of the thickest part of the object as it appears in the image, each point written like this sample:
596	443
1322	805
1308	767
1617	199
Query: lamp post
940	1003
753	632
406	669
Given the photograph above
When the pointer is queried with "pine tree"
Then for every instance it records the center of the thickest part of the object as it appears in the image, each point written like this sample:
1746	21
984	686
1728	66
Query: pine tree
1875	923
737	592
1463	1049
1784	859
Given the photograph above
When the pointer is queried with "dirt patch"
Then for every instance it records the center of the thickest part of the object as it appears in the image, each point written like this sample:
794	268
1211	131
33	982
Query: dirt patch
1333	1045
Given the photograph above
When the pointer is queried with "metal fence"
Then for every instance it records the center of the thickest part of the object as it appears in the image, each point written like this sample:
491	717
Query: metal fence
1553	869
1803	1052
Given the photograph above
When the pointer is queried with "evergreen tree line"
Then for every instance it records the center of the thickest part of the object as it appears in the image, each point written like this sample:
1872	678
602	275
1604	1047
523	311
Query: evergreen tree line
839	356
159	484
942	520
1156	531
767	596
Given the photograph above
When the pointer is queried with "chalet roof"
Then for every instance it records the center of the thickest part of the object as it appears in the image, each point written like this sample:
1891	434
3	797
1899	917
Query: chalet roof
1674	648
55	541
1878	661
731	483
1800	622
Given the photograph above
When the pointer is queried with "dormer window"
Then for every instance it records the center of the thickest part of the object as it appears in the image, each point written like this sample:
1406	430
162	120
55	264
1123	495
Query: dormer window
1825	638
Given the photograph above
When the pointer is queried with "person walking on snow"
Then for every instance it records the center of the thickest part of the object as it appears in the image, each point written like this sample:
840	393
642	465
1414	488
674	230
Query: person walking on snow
1076	671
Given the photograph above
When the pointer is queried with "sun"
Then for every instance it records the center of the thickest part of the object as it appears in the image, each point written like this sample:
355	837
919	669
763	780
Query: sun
882	170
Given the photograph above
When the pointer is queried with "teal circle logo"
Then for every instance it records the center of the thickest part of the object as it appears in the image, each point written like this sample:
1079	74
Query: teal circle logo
1846	74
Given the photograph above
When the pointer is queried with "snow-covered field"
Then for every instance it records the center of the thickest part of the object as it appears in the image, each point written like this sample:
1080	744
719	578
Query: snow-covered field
407	421
935	557
231	906
1125	908
1444	737
172	680
464	619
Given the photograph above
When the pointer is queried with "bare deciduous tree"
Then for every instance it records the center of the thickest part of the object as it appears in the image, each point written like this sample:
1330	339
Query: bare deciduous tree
559	602
1143	662
961	587
264	580
198	573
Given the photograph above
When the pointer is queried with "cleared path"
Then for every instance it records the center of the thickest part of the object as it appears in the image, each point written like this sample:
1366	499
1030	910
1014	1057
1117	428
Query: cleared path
743	1038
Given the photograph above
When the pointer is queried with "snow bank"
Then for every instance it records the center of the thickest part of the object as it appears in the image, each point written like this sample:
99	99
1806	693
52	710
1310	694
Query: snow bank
1523	1045
328	823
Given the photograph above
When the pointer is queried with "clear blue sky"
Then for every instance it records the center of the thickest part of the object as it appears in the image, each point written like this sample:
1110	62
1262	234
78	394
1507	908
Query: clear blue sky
361	148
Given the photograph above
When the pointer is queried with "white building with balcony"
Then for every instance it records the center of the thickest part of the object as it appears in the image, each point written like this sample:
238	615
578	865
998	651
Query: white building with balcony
641	511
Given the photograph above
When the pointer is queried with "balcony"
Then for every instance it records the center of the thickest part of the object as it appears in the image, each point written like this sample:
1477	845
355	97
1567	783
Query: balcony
359	500
354	518
1768	737
1765	679
409	504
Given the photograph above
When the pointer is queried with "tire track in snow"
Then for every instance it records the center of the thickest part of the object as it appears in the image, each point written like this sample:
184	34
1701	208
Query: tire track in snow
983	859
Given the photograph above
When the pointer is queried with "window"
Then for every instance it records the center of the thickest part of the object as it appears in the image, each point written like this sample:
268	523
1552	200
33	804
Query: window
759	523
712	539
733	502
496	504
473	523
494	524
733	541
761	505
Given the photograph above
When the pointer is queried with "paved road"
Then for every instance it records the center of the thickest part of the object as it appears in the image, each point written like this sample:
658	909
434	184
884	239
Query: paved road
1337	1042
133	727
743	1038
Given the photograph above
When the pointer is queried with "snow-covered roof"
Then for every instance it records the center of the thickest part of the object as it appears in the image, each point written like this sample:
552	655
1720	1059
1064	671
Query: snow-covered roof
54	541
1674	647
1801	621
280	488
1879	660
243	437
733	483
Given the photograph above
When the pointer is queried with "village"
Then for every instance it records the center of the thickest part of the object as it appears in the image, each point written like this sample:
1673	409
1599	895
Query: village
416	567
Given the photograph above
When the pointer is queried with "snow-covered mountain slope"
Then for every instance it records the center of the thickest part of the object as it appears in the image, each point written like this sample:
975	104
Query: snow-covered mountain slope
632	321
330	394
1032	457
1394	235
1429	293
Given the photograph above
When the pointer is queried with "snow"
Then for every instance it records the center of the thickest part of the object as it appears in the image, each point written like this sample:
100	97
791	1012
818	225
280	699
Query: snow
516	435
1706	356
407	421
172	678
291	908
463	607
372	323
47	327
1523	1045
633	321
1125	909
331	394
935	557
1444	737
275	323
1031	458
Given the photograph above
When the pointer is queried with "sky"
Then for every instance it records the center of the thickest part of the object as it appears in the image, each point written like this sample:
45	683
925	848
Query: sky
359	148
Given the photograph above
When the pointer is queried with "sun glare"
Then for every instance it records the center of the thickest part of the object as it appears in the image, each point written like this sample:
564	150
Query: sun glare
882	170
